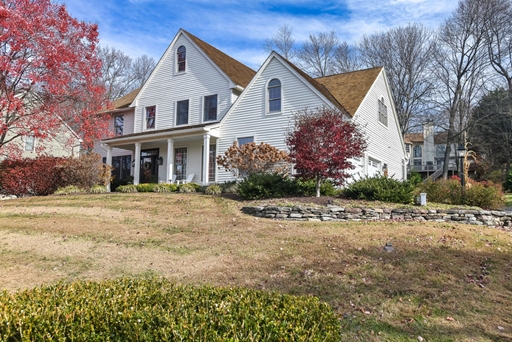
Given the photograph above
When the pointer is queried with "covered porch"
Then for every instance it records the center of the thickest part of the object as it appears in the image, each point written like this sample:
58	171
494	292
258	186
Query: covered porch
170	155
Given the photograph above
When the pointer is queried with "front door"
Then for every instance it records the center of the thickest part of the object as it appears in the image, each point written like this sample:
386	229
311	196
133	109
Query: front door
149	166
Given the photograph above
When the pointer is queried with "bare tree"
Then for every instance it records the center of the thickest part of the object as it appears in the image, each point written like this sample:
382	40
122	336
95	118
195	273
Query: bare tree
142	67
498	37
317	54
460	68
121	74
346	58
282	42
406	54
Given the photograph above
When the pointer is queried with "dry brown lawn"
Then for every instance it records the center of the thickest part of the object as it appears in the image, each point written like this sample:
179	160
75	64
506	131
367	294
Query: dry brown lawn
443	282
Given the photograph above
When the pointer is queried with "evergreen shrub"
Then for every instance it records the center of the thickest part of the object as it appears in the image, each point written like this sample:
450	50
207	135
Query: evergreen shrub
188	187
380	188
156	310
68	190
213	189
267	185
145	187
165	187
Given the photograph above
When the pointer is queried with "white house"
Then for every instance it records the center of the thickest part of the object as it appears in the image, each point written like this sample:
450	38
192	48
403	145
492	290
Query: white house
198	101
427	150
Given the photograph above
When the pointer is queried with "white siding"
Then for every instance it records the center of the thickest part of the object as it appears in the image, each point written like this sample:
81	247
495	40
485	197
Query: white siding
384	143
248	118
166	87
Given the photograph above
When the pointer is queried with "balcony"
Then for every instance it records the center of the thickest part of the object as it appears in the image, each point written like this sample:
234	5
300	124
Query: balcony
432	166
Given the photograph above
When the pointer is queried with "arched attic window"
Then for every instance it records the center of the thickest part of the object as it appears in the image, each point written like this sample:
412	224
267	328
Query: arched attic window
181	55
274	95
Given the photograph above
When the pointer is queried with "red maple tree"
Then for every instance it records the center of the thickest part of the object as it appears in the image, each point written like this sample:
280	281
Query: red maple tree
322	143
48	75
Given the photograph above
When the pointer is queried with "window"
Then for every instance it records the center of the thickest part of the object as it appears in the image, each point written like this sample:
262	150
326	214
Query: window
416	151
417	162
180	162
181	55
30	143
122	166
182	112
407	148
383	112
274	95
150	117
440	150
210	108
245	140
212	164
118	125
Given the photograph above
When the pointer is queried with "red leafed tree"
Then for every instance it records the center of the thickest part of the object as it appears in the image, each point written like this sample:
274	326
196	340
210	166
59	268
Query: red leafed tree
322	143
48	75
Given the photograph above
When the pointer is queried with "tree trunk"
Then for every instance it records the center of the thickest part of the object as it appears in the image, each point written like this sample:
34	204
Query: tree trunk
318	186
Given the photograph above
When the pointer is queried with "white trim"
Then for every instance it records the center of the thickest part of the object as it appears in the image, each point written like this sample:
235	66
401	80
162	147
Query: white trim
144	118
203	98
267	98
176	113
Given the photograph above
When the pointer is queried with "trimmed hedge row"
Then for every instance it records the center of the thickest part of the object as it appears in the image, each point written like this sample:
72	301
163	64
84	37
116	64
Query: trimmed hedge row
156	310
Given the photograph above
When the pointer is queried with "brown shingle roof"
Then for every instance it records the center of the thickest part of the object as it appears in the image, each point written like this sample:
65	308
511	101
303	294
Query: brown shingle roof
413	138
125	101
322	89
417	138
350	88
239	73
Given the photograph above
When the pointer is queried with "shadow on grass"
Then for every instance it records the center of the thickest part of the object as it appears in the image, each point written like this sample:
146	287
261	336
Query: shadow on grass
442	292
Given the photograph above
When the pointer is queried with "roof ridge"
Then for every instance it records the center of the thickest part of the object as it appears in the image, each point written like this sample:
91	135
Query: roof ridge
320	87
238	72
349	72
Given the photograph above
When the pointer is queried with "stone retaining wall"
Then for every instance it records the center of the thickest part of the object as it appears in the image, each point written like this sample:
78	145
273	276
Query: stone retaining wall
334	213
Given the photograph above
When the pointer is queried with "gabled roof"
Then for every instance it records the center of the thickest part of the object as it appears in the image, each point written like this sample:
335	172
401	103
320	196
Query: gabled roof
350	88
239	73
417	138
125	101
318	86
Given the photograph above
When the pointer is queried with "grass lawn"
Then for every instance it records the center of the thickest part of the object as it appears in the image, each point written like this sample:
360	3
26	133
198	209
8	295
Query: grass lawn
443	282
508	200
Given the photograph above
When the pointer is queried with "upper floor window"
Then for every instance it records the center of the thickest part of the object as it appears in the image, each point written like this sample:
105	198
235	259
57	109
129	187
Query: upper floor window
383	112
245	140
118	125
416	151
210	108
182	112
30	143
150	117
274	95
181	55
440	150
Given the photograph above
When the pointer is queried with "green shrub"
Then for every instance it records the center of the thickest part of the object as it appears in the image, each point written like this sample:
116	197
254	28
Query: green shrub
414	178
380	188
68	190
156	310
145	187
117	182
213	189
129	188
267	185
507	185
188	187
485	195
229	187
97	189
446	191
165	187
308	188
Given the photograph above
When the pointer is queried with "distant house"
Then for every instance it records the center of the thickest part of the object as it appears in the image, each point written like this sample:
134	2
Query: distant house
426	152
63	142
198	101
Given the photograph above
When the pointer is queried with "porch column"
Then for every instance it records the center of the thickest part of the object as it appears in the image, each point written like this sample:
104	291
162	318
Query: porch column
170	159
206	157
136	158
109	163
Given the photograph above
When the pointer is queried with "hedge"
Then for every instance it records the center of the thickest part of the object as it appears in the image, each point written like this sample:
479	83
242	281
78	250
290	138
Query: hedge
156	310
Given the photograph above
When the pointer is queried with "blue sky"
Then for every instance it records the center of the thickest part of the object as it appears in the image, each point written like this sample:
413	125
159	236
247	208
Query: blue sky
239	28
